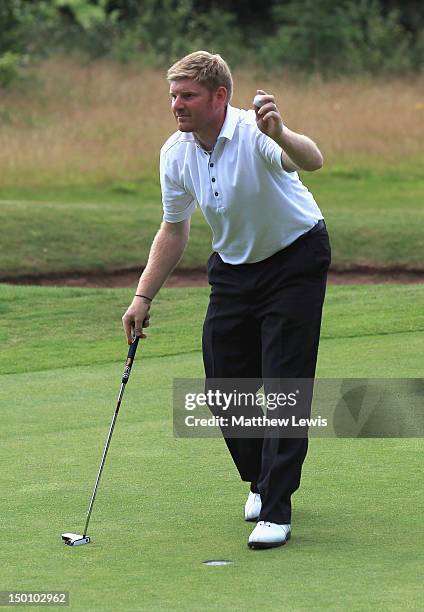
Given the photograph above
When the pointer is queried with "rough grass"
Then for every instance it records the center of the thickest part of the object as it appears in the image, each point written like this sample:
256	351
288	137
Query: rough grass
96	122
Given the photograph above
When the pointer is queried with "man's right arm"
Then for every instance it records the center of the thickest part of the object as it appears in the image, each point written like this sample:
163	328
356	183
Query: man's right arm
166	251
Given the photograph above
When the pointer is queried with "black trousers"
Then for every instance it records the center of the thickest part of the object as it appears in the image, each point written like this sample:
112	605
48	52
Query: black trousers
263	321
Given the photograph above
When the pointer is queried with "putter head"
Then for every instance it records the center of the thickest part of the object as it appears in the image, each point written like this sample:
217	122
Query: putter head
75	539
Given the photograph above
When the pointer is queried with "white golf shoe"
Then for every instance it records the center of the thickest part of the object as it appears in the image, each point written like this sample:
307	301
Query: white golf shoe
269	535
253	506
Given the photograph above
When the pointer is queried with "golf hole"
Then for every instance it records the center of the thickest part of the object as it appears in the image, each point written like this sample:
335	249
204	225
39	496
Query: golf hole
217	562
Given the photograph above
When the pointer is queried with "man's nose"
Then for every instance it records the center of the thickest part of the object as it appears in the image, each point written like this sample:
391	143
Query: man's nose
177	103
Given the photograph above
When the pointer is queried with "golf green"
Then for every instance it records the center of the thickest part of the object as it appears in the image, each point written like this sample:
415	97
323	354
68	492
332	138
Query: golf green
166	504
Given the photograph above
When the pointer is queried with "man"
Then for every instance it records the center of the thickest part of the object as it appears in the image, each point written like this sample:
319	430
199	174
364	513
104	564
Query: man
269	265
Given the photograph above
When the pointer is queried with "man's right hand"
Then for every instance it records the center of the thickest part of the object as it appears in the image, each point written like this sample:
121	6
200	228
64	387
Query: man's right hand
136	318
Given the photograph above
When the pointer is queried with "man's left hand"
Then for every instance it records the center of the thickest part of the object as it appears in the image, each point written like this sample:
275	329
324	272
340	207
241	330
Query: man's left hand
268	118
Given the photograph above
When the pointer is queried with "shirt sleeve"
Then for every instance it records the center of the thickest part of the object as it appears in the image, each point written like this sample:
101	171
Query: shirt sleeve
268	149
178	204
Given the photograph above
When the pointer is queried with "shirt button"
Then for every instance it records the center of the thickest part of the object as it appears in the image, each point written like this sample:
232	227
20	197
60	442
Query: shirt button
216	193
211	165
213	180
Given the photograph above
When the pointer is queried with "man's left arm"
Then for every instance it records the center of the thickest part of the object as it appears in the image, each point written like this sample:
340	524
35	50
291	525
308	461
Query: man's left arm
298	151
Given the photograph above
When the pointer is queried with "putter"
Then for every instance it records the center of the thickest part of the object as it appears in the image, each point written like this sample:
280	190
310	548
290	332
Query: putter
76	539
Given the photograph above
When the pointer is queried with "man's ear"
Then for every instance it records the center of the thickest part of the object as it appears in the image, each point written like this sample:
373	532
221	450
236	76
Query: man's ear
221	93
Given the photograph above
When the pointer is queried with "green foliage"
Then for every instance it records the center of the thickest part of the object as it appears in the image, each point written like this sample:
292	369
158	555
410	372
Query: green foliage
320	36
87	14
25	28
166	30
347	37
162	31
417	59
375	43
9	68
220	33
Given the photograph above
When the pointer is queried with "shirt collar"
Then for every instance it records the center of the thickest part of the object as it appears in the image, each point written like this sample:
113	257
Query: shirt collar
230	123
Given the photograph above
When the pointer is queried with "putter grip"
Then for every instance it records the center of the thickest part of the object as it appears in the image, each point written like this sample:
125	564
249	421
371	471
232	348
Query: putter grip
130	360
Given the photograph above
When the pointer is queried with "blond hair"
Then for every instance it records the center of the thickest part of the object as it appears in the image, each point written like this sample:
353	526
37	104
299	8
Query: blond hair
208	69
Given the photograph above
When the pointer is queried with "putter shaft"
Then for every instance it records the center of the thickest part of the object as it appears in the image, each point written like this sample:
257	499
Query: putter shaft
128	365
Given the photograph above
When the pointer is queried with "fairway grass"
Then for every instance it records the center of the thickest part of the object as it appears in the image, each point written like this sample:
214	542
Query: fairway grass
374	218
166	504
46	327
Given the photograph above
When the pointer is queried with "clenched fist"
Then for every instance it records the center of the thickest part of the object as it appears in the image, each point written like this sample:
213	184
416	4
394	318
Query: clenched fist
136	318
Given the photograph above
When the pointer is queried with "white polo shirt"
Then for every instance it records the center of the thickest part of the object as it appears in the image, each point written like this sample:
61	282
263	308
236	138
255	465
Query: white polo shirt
253	206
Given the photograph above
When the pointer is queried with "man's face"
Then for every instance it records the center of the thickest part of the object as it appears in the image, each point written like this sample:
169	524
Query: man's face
196	108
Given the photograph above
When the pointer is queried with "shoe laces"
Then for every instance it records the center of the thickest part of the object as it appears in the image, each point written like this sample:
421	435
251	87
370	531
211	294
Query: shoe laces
268	524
